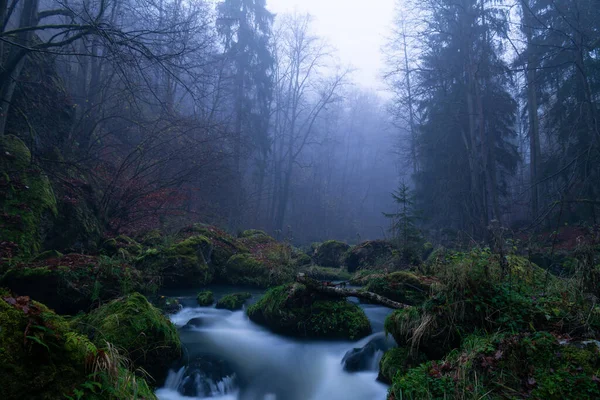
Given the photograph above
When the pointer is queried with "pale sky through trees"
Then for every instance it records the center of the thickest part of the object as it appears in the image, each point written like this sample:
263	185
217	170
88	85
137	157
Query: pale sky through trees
356	28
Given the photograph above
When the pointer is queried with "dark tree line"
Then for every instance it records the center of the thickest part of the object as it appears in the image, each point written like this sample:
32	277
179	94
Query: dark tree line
498	103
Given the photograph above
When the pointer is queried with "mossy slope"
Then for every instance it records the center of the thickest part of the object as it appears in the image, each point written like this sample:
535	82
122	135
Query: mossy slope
133	324
27	201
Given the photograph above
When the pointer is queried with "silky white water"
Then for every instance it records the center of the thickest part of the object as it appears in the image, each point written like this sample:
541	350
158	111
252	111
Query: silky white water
260	365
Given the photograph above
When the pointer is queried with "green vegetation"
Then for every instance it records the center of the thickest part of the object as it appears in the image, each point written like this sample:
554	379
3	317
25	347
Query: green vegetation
331	253
327	274
532	314
41	356
402	286
234	301
205	298
74	282
27	203
133	324
373	254
247	269
182	264
295	311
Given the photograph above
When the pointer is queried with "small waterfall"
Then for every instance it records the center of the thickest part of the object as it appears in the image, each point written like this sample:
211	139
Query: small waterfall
190	382
375	360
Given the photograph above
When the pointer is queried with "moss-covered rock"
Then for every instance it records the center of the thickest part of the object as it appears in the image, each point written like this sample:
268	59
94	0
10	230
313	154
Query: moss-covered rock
27	201
133	324
205	298
374	254
296	311
301	259
234	301
247	269
180	265
122	246
41	357
224	245
73	282
331	253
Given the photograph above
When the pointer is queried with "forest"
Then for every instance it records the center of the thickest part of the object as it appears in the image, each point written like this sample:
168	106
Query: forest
207	199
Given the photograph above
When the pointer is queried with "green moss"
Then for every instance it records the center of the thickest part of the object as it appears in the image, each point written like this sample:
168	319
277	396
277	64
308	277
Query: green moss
133	324
205	298
327	274
245	269
301	259
233	301
122	246
74	282
252	232
224	245
293	310
505	366
152	238
180	265
404	287
28	201
330	253
374	254
41	357
398	360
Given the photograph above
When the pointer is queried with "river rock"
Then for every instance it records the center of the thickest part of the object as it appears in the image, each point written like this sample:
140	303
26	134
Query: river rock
363	358
207	376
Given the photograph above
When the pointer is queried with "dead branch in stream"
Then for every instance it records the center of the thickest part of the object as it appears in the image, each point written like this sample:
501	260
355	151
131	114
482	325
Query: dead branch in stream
318	286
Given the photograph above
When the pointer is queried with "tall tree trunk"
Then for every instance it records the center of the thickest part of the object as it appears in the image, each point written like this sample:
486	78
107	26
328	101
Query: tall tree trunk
15	60
532	111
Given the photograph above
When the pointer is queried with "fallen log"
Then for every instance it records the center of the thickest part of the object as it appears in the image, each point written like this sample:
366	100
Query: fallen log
318	286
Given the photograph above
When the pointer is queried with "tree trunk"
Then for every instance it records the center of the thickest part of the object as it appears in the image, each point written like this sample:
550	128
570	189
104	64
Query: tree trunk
317	286
532	111
14	62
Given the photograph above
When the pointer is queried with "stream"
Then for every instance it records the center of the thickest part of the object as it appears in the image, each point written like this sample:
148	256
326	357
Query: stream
228	357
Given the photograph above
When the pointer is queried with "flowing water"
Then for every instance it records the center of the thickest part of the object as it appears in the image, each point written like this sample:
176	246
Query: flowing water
228	357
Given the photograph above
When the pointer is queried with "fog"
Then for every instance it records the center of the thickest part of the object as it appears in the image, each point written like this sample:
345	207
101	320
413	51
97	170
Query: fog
302	117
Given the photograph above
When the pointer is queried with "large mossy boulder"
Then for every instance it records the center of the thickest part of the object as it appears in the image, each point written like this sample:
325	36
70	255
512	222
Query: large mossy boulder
373	254
42	358
234	301
27	201
183	264
256	270
205	298
331	253
294	310
133	324
224	245
72	283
